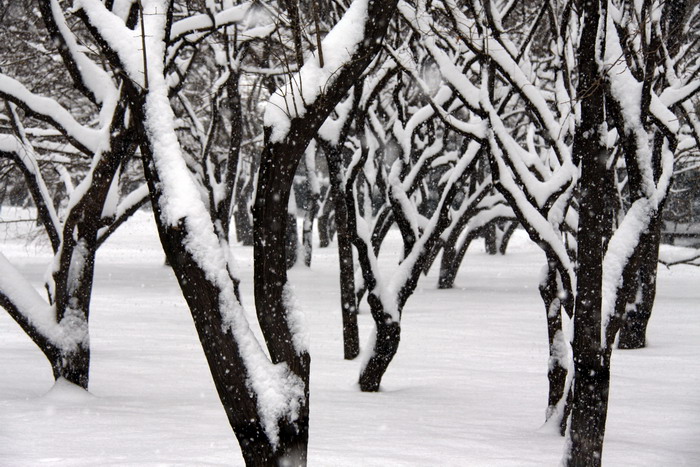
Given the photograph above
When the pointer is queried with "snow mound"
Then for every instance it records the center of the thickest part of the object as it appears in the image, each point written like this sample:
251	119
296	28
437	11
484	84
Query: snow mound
66	392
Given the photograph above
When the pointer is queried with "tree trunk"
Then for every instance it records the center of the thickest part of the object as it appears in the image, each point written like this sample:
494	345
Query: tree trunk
452	260
308	228
434	253
386	343
291	241
448	267
74	367
590	409
635	320
591	361
558	406
325	220
291	233
348	303
491	239
505	238
243	191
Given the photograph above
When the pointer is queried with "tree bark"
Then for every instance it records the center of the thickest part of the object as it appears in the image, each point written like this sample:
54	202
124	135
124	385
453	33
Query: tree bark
558	406
387	341
448	267
243	193
636	318
348	303
591	361
491	239
308	230
505	238
325	220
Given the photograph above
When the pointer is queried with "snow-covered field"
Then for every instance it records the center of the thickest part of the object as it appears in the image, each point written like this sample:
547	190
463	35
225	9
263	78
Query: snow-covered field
467	388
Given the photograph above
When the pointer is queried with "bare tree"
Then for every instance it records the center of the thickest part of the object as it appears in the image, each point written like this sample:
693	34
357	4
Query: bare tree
88	160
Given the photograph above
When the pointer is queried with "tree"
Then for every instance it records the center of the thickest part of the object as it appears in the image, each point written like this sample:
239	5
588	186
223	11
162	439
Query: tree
266	401
88	160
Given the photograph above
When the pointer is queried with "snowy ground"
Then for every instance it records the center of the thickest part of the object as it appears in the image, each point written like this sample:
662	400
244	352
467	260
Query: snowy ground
467	388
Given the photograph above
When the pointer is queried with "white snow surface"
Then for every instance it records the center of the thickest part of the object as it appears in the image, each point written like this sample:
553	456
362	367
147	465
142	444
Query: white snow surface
468	386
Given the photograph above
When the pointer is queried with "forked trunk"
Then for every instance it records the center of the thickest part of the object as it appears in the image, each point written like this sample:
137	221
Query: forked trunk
452	258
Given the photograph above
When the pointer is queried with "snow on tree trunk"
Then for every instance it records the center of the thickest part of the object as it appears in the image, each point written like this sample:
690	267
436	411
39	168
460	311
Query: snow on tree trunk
326	221
591	360
558	375
312	200
291	234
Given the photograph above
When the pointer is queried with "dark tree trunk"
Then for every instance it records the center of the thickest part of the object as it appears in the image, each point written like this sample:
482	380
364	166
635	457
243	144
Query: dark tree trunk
278	164
636	319
505	238
229	371
591	360
557	404
590	408
220	347
448	267
388	326
74	366
244	228
348	304
452	260
434	253
277	167
491	239
385	347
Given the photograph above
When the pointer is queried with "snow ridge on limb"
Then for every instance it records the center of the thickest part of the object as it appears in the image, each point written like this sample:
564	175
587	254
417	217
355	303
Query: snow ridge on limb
19	149
50	111
247	14
310	82
505	157
34	315
421	21
90	78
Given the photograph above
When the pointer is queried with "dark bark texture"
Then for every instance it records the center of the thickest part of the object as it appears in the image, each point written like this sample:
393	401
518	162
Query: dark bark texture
591	361
348	300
